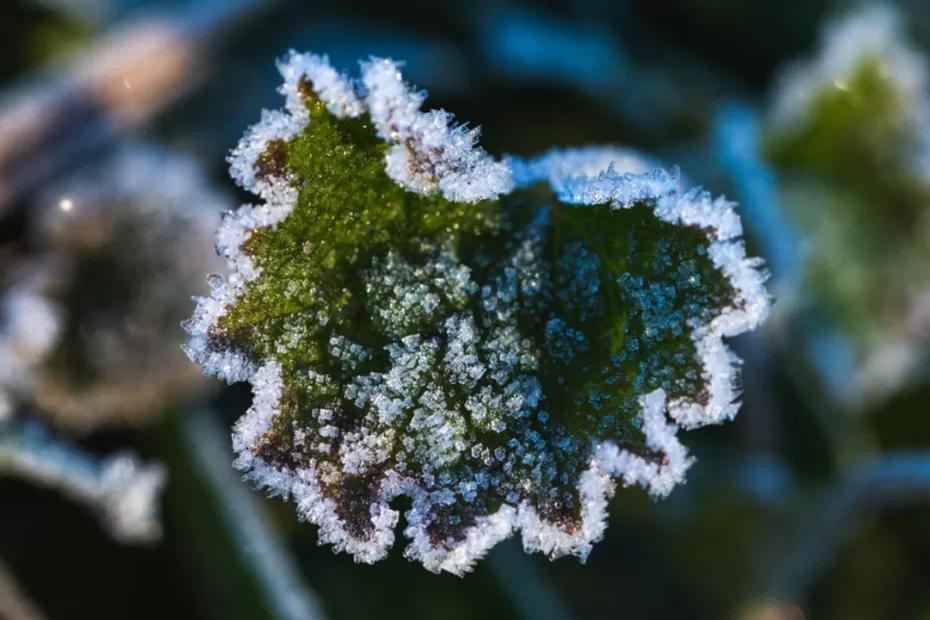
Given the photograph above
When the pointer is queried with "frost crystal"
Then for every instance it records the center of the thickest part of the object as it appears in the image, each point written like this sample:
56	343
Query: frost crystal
413	326
429	152
560	166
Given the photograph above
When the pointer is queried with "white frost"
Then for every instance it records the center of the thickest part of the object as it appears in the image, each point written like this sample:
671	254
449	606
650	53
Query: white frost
658	477
561	165
336	89
872	32
429	152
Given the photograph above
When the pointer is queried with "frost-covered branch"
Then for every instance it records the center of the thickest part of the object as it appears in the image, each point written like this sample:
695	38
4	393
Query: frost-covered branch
123	490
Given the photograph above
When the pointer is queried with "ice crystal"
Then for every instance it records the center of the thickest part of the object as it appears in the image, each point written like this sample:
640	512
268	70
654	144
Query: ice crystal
497	341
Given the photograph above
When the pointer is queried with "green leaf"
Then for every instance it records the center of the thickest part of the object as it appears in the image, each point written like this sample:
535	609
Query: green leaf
494	340
850	138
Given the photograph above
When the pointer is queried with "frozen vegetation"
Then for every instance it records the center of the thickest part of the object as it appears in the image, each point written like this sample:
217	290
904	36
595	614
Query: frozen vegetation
82	341
848	133
124	491
500	341
141	214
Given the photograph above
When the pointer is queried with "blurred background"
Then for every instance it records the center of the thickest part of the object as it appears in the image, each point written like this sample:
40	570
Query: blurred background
117	495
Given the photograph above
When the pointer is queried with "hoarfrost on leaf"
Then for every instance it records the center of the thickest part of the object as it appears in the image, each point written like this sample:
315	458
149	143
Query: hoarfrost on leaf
866	43
496	340
560	166
849	134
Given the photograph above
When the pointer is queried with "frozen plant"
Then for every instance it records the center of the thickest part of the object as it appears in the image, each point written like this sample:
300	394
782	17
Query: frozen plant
849	135
499	341
124	491
29	327
120	488
119	247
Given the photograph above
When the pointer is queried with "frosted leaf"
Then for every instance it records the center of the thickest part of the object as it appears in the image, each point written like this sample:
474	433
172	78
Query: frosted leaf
869	38
849	135
120	246
863	96
499	362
